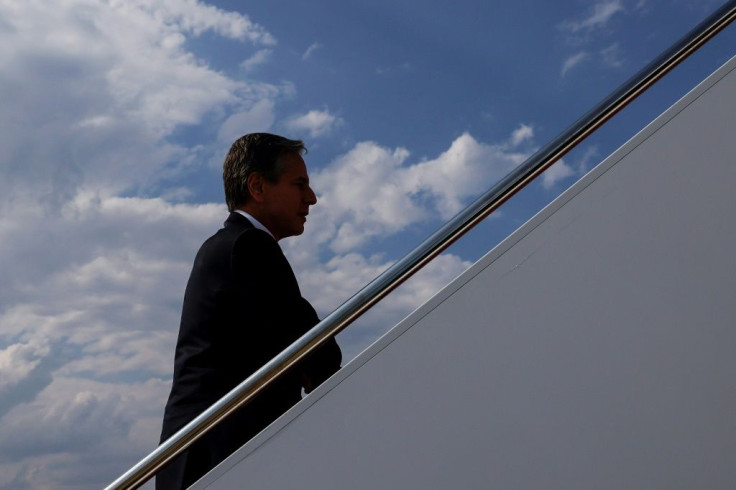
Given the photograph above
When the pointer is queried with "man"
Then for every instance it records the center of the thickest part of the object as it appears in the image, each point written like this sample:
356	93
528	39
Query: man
243	306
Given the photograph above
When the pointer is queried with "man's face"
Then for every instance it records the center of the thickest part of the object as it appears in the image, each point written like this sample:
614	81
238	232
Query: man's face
286	202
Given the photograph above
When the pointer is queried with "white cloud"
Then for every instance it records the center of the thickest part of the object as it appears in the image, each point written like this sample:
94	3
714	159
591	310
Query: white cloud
90	315
91	101
258	58
584	31
582	158
315	123
95	318
395	307
89	326
521	134
588	159
110	272
330	284
600	14
258	118
196	17
371	191
559	171
573	61
310	50
361	195
467	168
93	282
112	322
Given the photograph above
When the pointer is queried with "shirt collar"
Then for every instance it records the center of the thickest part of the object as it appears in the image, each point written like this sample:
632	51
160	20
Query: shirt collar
255	222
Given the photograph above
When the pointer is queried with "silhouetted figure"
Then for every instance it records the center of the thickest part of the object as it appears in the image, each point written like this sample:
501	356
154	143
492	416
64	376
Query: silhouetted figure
243	306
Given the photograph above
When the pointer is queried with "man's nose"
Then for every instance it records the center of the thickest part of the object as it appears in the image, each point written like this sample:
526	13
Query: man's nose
311	197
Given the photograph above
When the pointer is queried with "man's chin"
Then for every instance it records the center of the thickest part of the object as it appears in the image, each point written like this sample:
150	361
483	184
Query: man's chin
298	230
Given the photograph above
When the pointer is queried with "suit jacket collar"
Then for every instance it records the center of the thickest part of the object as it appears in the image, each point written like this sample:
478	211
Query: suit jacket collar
237	219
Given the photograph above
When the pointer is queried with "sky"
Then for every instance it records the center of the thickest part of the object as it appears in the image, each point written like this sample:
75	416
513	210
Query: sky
116	116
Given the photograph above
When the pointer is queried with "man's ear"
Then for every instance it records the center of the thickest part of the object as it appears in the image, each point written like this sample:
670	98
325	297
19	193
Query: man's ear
255	186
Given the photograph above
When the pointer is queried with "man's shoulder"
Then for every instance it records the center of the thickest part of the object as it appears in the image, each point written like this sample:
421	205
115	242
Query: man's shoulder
233	244
234	226
238	232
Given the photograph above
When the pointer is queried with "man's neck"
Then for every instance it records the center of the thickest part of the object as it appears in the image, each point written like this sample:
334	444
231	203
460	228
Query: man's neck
252	216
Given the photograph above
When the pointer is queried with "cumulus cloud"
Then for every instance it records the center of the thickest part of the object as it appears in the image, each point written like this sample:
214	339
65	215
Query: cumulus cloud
360	194
196	17
257	118
372	190
258	58
575	165
395	307
104	86
103	312
89	317
559	171
93	281
314	123
333	282
521	134
464	170
110	256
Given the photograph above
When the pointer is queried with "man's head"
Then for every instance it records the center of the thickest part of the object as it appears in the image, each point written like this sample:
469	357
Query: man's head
265	175
255	152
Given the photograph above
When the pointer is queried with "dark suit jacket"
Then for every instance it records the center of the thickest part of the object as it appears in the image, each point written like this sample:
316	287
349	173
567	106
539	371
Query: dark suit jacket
242	307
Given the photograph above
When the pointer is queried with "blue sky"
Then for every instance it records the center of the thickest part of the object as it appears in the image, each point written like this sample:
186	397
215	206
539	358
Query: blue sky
116	116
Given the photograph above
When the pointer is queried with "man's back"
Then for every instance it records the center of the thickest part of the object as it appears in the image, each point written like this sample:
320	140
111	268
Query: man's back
242	307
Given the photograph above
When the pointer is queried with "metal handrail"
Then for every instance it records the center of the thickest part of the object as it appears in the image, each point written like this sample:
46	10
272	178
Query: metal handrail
430	248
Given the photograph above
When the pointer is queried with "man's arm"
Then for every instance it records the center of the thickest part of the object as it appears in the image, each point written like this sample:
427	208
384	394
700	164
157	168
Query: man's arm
271	286
325	360
320	365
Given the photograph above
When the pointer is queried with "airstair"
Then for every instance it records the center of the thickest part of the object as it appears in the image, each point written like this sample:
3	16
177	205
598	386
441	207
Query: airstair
592	348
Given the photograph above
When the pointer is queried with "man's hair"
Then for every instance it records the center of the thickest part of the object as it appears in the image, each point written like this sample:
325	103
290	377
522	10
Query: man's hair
255	152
